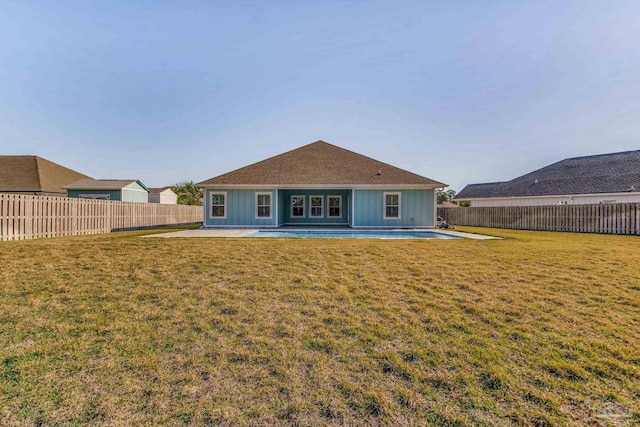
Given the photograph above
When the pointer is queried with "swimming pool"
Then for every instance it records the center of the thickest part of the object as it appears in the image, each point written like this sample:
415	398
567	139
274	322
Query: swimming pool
353	234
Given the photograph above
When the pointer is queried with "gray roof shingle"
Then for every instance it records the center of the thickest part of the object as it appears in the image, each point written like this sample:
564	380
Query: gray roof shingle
34	174
603	173
320	163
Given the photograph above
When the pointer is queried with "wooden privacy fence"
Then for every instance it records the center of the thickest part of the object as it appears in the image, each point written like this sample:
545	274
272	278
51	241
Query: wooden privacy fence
33	217
620	218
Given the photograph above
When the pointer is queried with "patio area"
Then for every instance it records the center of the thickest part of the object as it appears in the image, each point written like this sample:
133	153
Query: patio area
243	232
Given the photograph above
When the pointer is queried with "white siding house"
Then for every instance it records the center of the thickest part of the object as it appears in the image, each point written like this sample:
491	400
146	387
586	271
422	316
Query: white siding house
164	195
605	178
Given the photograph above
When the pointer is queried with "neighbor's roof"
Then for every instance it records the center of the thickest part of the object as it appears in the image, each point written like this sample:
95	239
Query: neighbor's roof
34	174
160	189
604	173
102	184
447	205
320	163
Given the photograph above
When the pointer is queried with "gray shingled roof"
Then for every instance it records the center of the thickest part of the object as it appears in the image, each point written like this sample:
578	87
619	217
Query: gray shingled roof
101	184
320	163
34	174
157	190
604	173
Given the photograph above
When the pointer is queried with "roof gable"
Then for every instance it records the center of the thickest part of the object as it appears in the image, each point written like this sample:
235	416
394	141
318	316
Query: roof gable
34	174
161	190
604	173
320	163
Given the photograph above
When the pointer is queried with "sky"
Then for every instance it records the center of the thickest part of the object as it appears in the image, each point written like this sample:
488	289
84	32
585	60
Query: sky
461	92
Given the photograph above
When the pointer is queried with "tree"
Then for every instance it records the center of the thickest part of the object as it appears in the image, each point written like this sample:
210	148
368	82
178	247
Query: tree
188	193
445	196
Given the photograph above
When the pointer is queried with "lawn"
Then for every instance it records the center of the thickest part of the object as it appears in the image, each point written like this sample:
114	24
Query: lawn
537	329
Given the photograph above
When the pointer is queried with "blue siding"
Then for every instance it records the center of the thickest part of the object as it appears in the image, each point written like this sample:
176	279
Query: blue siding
416	209
285	206
282	207
241	209
113	194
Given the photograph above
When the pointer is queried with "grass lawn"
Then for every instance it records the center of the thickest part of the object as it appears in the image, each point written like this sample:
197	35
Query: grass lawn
537	329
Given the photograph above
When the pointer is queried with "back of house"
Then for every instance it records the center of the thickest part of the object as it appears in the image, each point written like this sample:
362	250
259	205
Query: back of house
320	184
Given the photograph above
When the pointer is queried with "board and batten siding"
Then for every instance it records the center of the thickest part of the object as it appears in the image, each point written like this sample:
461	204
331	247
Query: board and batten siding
416	209
134	192
345	209
113	194
241	209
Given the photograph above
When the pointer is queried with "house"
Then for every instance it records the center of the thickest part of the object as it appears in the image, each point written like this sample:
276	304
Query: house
163	195
126	190
447	205
35	175
604	178
320	184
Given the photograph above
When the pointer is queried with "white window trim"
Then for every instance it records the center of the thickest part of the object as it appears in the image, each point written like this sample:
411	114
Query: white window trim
304	205
94	196
311	215
226	201
384	204
264	193
329	206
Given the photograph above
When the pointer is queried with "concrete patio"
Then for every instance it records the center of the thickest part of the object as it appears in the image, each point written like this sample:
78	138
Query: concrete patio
241	232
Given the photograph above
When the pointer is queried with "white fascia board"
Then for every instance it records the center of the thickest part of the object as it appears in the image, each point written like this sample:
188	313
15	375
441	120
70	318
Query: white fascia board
325	186
552	196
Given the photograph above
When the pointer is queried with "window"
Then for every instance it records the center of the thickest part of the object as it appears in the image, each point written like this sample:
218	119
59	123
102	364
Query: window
297	206
335	206
263	205
391	205
219	205
316	203
95	196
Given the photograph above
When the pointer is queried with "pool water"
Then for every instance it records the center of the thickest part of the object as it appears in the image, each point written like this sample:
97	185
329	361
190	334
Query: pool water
353	234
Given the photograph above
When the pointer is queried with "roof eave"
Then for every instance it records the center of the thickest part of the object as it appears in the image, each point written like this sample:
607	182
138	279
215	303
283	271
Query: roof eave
325	186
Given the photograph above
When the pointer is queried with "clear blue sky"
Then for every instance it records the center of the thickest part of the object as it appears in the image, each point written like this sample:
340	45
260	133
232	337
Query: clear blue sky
461	91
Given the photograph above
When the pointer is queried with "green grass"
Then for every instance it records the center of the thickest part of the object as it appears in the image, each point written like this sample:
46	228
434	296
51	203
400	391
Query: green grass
537	329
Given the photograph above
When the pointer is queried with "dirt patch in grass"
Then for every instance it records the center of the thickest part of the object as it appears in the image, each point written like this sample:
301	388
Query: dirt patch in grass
538	329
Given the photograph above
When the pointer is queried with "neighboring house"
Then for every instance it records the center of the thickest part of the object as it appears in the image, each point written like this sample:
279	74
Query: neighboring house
126	190
447	205
320	184
164	195
604	178
35	175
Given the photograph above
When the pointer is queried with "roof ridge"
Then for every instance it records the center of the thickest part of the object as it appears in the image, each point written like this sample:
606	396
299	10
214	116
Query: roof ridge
600	155
287	168
35	159
490	183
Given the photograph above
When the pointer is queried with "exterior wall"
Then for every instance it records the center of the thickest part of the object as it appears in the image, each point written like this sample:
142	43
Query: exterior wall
113	194
417	209
165	198
134	192
282	204
285	207
555	200
241	209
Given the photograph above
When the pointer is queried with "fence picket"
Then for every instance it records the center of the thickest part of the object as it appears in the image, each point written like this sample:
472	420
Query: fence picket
31	217
620	218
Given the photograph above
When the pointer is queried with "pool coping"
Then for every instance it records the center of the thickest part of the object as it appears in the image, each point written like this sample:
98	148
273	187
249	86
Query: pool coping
243	232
